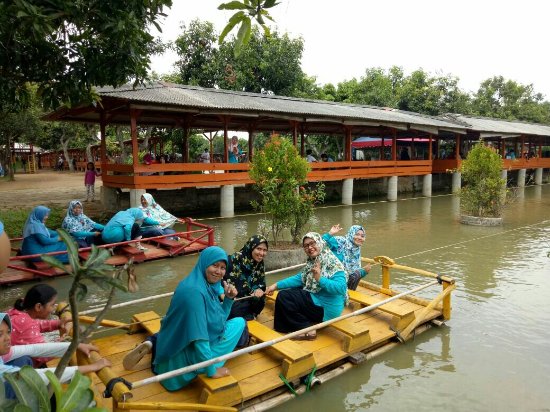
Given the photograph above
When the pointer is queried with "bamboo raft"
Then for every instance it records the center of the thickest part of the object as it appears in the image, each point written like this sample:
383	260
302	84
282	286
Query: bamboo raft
377	319
194	238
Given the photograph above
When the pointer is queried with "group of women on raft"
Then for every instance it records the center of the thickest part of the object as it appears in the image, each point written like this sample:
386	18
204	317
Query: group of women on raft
208	312
148	220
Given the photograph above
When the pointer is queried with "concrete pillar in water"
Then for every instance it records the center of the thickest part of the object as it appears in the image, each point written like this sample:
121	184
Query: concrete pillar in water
135	197
521	177
427	185
347	192
227	206
538	176
504	175
456	182
392	189
346	218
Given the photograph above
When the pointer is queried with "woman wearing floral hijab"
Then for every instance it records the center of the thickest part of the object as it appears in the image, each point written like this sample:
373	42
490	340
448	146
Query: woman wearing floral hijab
318	293
38	239
348	250
246	271
154	211
85	231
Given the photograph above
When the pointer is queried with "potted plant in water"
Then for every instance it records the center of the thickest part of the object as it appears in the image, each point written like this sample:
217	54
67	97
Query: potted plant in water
483	195
280	176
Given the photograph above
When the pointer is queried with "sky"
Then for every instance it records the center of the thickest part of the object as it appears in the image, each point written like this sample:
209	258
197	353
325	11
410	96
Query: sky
471	40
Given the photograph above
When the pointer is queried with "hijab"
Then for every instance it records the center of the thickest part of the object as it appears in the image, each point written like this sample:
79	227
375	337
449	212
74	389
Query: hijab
243	271
156	212
329	264
195	312
4	317
35	224
350	252
77	223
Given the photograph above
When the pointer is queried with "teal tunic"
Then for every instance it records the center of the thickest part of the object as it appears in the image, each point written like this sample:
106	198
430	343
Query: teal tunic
195	327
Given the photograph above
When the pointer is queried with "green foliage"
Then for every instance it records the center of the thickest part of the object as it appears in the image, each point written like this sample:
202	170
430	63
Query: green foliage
484	191
280	176
67	47
265	64
14	220
32	393
248	10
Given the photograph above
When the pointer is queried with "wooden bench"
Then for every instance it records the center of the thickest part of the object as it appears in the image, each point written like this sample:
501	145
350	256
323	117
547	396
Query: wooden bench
132	252
220	391
297	361
173	246
356	337
402	316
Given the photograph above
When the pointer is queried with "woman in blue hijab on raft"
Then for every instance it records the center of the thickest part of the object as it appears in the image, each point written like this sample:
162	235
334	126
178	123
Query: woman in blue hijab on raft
38	239
195	328
126	225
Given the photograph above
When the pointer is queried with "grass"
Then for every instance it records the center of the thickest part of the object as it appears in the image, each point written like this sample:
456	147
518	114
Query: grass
14	220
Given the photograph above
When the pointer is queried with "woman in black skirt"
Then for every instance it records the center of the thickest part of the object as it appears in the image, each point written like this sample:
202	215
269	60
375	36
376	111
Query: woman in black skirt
318	293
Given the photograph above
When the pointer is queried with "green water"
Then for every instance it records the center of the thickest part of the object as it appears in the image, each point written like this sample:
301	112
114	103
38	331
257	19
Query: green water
492	355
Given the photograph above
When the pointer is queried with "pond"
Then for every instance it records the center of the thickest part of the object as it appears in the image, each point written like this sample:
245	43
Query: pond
492	354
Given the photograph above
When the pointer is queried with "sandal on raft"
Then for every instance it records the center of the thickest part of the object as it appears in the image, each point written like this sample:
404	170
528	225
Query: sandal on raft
306	336
136	355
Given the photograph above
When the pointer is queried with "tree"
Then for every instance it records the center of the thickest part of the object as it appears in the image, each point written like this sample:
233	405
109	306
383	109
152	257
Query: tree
68	47
506	99
484	191
265	64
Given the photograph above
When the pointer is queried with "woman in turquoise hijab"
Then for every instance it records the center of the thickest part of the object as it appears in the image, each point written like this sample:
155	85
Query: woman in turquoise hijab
196	328
38	239
125	225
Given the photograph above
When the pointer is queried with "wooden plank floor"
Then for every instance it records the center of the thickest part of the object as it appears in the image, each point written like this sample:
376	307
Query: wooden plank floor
258	372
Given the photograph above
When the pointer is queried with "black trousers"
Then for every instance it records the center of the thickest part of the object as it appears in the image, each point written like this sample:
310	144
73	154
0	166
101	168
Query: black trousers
247	309
295	310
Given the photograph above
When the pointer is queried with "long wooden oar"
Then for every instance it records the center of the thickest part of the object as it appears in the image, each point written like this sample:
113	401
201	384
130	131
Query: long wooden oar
200	365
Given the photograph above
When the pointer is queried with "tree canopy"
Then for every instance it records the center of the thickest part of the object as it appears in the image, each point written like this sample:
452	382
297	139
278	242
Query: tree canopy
66	47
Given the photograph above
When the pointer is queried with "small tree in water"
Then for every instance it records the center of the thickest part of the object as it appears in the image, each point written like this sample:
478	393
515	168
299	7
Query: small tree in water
280	176
484	191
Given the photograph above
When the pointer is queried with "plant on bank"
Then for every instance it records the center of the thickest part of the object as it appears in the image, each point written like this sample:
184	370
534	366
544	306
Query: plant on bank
280	176
484	190
32	392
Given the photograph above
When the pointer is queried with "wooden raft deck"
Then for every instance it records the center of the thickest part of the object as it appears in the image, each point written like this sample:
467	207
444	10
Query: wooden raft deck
196	238
257	374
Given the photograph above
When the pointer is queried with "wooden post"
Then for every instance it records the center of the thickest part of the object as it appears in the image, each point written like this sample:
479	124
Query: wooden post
251	128
133	134
294	133
457	146
185	143
225	138
430	149
347	143
385	277
446	303
302	142
103	150
394	145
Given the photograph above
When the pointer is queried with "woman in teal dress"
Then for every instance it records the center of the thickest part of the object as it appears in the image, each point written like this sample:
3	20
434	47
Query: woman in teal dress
38	239
196	328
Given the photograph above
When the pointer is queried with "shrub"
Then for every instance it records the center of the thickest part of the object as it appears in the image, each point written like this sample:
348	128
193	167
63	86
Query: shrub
484	191
280	176
14	220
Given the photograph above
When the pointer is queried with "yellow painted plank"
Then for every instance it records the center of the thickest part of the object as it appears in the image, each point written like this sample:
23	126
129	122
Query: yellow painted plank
149	320
289	349
367	300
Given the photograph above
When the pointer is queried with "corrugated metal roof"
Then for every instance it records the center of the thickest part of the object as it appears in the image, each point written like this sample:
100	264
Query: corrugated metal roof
486	125
217	99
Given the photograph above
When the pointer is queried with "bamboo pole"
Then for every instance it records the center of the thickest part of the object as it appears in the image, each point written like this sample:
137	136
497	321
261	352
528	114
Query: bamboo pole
200	365
173	406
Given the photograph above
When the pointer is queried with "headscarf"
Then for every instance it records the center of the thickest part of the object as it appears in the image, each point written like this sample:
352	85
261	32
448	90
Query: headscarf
156	212
77	223
195	312
350	252
34	224
243	271
5	317
126	217
329	264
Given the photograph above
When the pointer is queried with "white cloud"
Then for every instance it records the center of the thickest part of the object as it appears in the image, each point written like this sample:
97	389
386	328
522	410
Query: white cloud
473	40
